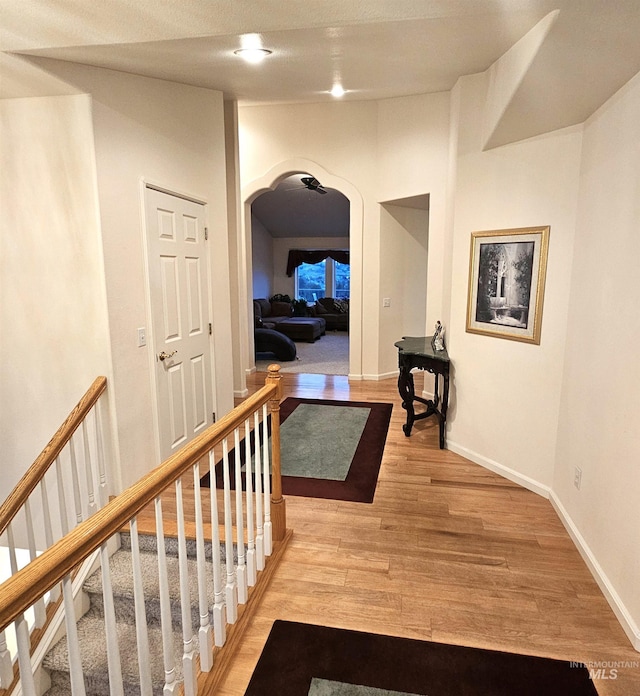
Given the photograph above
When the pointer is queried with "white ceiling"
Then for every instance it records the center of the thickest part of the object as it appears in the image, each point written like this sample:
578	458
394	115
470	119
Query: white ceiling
292	210
378	49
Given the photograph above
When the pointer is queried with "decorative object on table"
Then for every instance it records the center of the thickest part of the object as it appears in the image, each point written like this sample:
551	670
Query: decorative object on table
438	337
418	352
507	273
301	659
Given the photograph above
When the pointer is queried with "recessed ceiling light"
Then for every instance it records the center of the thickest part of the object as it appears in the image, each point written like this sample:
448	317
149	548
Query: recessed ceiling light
253	55
337	90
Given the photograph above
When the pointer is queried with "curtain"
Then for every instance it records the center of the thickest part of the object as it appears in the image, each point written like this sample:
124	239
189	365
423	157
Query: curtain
299	256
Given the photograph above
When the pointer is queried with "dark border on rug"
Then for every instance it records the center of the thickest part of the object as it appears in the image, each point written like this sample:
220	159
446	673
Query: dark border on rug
362	478
295	653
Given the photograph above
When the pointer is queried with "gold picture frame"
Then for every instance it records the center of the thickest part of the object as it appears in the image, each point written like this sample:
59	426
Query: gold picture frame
507	273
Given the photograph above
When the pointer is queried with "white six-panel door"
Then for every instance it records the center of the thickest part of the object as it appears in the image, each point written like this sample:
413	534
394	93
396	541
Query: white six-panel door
178	278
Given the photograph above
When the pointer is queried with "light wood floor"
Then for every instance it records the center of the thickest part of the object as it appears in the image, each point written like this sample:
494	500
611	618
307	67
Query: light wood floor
448	552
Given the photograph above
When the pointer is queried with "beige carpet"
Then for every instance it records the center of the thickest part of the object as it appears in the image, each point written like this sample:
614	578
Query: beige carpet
329	355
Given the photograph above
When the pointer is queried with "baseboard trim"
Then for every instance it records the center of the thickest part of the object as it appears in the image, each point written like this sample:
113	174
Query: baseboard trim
629	626
240	393
381	376
522	480
625	619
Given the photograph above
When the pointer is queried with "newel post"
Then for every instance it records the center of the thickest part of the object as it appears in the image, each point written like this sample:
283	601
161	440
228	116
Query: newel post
278	503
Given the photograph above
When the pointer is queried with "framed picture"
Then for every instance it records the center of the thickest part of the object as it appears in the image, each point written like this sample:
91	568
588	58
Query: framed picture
507	272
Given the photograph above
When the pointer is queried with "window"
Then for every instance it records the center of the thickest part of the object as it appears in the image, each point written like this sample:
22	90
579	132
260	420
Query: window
311	280
341	278
328	278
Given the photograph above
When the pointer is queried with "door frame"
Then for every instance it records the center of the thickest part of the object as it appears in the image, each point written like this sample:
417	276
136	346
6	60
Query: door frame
356	245
145	184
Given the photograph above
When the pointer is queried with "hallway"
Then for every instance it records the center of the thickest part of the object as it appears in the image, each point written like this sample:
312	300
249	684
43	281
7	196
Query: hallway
448	552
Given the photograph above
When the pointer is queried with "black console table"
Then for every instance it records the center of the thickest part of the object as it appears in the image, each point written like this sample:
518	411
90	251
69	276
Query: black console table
417	352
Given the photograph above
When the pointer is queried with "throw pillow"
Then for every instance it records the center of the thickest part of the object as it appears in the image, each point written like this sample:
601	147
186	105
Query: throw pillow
342	306
281	309
320	308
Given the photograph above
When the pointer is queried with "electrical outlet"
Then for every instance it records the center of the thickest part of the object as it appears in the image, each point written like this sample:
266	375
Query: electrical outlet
577	477
386	302
142	337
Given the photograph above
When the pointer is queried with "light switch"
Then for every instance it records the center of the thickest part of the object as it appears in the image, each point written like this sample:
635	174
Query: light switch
142	337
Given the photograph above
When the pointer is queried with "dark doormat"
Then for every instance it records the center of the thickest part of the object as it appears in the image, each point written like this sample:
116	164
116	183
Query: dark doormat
362	466
297	654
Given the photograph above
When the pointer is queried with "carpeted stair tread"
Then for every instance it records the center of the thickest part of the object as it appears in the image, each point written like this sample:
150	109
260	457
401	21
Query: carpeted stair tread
91	628
94	658
148	543
122	584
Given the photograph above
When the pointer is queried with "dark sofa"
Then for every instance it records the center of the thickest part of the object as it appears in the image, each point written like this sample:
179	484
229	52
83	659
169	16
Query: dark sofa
278	316
334	312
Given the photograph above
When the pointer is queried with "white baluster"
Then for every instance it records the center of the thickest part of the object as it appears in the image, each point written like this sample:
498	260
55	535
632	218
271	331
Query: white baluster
48	532
189	653
73	645
219	610
205	634
22	630
231	597
258	480
241	570
267	483
62	503
39	609
92	505
114	667
76	482
251	546
24	656
142	634
103	496
170	684
6	665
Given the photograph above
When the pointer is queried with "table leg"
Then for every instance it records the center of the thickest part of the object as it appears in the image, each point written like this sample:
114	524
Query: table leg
407	393
443	409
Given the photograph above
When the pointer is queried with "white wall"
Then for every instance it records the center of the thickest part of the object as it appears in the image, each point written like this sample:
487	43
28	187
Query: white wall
172	135
387	150
600	404
53	313
413	152
262	254
237	260
506	393
403	278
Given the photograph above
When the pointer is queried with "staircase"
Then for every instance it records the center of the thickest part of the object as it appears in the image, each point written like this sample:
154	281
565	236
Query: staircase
91	630
181	590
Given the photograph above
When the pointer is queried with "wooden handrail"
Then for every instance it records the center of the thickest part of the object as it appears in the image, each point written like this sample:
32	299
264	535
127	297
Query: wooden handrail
18	496
24	588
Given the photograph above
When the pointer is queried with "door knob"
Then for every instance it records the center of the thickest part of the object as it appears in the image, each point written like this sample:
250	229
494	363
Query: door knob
165	356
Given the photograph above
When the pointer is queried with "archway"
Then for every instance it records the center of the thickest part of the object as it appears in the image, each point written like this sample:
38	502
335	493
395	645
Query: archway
268	182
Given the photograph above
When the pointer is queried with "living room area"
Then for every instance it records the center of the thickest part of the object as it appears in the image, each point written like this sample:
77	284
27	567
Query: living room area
301	277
